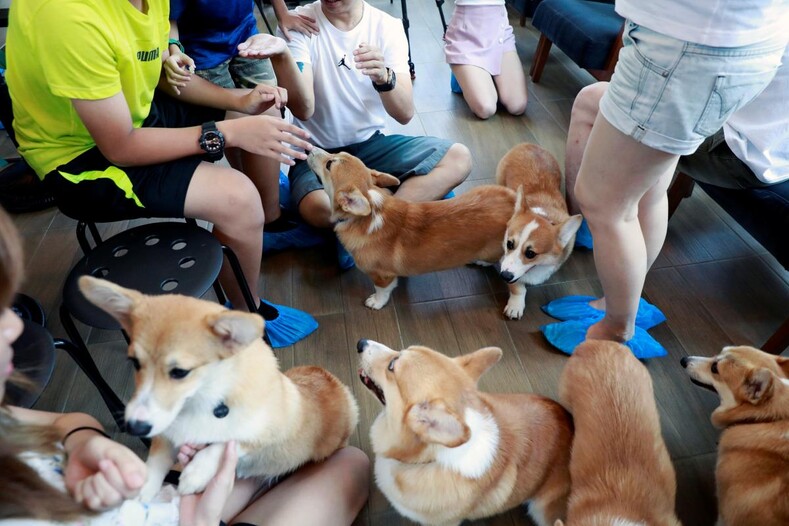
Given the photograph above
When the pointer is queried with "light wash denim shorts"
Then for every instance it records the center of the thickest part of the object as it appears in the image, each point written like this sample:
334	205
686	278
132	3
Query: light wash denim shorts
240	72
671	95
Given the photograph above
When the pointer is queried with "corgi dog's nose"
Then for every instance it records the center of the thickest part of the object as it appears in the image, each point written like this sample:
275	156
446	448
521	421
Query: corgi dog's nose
138	428
361	345
506	275
684	362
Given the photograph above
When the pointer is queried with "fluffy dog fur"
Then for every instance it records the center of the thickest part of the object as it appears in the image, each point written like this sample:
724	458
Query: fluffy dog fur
445	451
620	468
753	454
389	237
541	233
192	356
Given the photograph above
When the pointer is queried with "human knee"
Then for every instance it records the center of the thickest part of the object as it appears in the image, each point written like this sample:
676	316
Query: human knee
515	105
239	203
587	103
354	467
484	109
315	209
458	158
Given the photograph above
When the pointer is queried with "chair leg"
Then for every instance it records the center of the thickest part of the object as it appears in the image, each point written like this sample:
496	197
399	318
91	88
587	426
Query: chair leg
540	58
779	341
681	187
239	274
79	353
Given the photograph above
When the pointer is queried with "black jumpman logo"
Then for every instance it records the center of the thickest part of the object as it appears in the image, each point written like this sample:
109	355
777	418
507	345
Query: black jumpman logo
342	63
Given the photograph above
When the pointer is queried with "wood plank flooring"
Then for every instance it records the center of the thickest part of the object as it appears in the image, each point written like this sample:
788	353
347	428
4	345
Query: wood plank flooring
716	285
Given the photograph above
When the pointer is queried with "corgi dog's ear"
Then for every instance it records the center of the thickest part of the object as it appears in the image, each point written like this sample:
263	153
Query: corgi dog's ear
115	300
354	202
478	362
518	199
783	363
384	179
757	386
435	423
569	228
236	329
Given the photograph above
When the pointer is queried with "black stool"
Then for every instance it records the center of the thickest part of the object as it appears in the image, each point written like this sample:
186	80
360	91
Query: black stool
156	258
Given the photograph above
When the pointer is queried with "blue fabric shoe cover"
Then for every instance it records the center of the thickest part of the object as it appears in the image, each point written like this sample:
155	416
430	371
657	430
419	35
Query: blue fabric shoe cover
583	238
284	325
567	335
578	308
454	85
449	195
344	258
284	191
302	236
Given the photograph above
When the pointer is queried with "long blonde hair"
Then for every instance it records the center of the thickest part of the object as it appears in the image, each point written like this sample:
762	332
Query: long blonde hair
23	494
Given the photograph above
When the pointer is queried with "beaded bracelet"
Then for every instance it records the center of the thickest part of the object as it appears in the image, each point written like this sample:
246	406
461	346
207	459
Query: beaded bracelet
83	428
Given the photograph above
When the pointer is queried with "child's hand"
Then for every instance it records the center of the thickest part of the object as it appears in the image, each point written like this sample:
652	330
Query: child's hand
262	97
262	45
300	23
206	508
179	68
101	473
370	60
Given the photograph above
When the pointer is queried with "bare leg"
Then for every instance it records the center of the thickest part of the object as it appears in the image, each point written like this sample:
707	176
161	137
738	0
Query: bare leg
584	112
229	200
511	83
315	209
330	493
450	171
478	89
610	194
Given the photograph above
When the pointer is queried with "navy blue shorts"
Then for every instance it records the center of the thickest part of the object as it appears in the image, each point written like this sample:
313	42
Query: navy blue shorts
91	188
398	155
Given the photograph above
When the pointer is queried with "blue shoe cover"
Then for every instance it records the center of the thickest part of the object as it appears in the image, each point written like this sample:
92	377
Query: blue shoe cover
284	325
284	191
454	86
583	238
567	335
578	308
449	195
344	258
302	236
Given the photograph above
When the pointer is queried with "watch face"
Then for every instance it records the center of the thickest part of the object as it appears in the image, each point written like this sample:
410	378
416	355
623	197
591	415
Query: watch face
213	141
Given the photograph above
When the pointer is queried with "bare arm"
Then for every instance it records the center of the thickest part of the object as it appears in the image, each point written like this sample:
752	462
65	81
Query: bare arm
399	102
289	20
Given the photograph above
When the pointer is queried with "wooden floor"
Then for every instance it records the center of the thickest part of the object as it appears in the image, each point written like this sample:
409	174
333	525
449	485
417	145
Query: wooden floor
716	285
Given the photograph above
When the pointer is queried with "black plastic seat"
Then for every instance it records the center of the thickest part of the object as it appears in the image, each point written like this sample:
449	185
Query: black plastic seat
155	258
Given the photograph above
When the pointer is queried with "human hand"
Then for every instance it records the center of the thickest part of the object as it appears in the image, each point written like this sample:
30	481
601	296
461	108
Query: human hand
269	136
300	23
262	97
100	473
206	508
178	68
370	59
262	45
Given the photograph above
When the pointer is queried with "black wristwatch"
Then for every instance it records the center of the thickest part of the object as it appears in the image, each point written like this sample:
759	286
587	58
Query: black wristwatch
212	141
388	85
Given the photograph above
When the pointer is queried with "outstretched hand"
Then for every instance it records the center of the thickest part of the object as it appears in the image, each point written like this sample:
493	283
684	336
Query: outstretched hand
206	508
101	474
262	45
262	97
291	21
178	69
271	137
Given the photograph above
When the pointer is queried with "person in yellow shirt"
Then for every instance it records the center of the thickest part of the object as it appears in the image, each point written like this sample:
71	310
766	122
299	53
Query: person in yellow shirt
83	78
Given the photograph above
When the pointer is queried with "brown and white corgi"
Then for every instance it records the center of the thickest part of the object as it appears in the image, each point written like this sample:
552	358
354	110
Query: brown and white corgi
620	467
446	452
540	233
752	475
389	237
205	376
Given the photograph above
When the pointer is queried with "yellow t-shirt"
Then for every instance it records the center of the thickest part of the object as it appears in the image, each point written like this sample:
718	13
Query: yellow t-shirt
59	50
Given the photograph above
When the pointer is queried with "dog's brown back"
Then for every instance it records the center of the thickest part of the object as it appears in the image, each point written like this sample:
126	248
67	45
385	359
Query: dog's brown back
620	467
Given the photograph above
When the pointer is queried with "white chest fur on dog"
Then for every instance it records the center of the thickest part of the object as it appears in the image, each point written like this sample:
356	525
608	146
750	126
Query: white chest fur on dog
205	376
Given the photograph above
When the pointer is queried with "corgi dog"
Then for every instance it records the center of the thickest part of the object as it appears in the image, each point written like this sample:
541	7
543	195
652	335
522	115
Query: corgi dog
389	237
205	376
541	233
752	474
446	452
620	467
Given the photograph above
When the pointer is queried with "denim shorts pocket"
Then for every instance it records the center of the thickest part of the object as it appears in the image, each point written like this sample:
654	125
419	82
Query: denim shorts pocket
730	93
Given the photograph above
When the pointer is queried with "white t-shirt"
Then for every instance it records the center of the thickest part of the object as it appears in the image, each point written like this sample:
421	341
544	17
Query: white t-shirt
479	2
717	23
758	133
347	108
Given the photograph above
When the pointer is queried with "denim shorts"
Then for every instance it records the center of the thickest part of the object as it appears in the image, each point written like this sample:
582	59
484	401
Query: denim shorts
240	72
398	155
670	94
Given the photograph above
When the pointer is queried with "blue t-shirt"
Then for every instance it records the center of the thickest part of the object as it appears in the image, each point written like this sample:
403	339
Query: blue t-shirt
211	30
